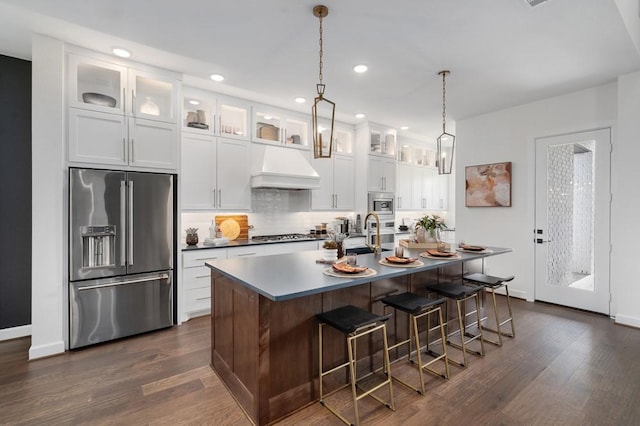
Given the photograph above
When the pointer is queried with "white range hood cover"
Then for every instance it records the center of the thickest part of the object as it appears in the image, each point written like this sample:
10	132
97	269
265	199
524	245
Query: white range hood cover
284	168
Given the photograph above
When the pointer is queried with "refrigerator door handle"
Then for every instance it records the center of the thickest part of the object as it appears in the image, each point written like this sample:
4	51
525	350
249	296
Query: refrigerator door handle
123	218
130	223
139	280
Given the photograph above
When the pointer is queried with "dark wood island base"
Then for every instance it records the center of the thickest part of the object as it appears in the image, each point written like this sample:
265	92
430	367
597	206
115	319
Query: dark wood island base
266	351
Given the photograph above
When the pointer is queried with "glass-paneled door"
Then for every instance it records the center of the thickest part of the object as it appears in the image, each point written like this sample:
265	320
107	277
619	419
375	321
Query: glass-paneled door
572	232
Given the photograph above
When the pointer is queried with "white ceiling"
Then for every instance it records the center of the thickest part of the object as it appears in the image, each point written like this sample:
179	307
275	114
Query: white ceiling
501	53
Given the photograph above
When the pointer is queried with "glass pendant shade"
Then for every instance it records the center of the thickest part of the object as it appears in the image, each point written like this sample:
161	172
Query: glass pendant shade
444	159
322	138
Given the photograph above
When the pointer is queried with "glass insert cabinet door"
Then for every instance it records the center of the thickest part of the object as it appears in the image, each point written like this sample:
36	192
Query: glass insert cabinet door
106	87
571	235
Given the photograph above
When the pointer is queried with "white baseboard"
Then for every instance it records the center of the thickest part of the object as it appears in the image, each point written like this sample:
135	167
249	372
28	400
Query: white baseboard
49	349
627	320
15	332
195	314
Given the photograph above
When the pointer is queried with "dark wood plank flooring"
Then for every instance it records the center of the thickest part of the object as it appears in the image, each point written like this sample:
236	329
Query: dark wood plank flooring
565	367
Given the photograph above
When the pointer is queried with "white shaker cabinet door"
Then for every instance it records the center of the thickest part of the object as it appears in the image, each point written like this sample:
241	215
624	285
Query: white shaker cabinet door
96	137
152	144
198	172
323	198
233	175
343	182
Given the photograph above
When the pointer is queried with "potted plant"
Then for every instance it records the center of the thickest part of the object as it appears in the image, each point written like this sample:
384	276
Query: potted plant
428	228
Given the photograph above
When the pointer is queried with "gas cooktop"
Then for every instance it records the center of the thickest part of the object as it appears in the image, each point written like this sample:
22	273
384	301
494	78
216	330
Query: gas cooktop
282	237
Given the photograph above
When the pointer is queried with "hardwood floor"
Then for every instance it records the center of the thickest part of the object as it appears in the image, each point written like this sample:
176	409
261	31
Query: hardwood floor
564	367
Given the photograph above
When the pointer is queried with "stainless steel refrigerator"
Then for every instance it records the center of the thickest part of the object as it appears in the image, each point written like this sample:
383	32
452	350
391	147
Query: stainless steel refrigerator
121	239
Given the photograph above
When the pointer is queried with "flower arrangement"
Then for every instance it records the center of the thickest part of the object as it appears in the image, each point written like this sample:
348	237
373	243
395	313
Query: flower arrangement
430	224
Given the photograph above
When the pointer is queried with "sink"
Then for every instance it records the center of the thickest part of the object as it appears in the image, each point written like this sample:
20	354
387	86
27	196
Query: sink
362	250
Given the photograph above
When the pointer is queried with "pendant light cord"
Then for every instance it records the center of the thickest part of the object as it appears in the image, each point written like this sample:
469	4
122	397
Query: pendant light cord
444	105
321	52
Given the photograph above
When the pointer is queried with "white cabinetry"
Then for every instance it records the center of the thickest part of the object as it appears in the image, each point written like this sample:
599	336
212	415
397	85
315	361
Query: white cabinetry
215	173
211	114
121	116
275	126
336	183
196	281
405	190
245	251
382	174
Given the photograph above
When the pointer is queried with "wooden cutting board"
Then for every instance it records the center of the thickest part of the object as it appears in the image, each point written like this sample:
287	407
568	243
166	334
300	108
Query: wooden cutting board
242	220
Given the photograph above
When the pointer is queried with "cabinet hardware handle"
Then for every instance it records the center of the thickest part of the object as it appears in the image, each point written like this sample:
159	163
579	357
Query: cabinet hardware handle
336	200
203	298
215	123
203	276
133	154
246	254
206	258
124	100
133	102
220	198
124	150
215	198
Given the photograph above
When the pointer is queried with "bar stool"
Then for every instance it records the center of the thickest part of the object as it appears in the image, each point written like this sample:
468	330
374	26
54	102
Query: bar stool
354	323
461	293
417	307
490	285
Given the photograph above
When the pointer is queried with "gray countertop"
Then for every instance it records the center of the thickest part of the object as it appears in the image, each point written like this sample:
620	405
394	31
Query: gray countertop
288	276
242	243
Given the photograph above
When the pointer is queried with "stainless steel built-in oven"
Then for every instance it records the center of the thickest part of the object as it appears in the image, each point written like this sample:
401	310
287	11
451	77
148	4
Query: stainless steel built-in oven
387	231
381	204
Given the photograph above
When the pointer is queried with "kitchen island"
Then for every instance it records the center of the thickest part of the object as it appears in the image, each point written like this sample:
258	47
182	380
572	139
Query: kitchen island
264	338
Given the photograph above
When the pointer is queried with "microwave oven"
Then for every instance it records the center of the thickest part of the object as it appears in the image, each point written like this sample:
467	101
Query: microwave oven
381	204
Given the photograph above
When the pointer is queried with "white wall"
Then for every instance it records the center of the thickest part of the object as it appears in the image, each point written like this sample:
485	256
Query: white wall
509	135
48	300
625	179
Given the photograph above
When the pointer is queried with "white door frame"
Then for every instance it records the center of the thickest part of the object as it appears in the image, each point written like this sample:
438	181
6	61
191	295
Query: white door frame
598	300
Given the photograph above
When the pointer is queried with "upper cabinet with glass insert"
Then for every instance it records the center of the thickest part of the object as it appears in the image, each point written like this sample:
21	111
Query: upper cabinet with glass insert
275	126
343	137
382	141
106	87
208	113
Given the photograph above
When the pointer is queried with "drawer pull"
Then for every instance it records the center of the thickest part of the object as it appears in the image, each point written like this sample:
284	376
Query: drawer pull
246	254
203	276
207	258
203	298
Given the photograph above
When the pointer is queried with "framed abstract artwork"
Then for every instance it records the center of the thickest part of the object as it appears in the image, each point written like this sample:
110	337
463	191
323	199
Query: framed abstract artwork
488	185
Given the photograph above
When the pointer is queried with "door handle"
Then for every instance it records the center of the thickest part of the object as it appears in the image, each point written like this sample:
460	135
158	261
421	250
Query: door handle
123	220
139	280
130	222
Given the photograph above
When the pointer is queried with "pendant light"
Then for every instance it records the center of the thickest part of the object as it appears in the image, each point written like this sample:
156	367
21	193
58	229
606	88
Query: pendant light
321	149
446	141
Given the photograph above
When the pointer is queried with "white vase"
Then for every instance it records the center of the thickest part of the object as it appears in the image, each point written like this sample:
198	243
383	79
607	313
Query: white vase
330	254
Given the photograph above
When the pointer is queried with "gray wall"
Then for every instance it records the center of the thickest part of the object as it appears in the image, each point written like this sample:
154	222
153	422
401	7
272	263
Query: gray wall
15	192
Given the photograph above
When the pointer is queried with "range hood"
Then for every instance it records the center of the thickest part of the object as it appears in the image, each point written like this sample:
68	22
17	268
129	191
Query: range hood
284	168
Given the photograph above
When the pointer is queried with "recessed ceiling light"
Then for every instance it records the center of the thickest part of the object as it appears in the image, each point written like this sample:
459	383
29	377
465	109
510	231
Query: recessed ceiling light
301	100
359	115
217	77
360	68
404	128
194	102
121	52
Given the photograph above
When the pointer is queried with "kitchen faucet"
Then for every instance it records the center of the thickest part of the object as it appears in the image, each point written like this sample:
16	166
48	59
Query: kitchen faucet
377	249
